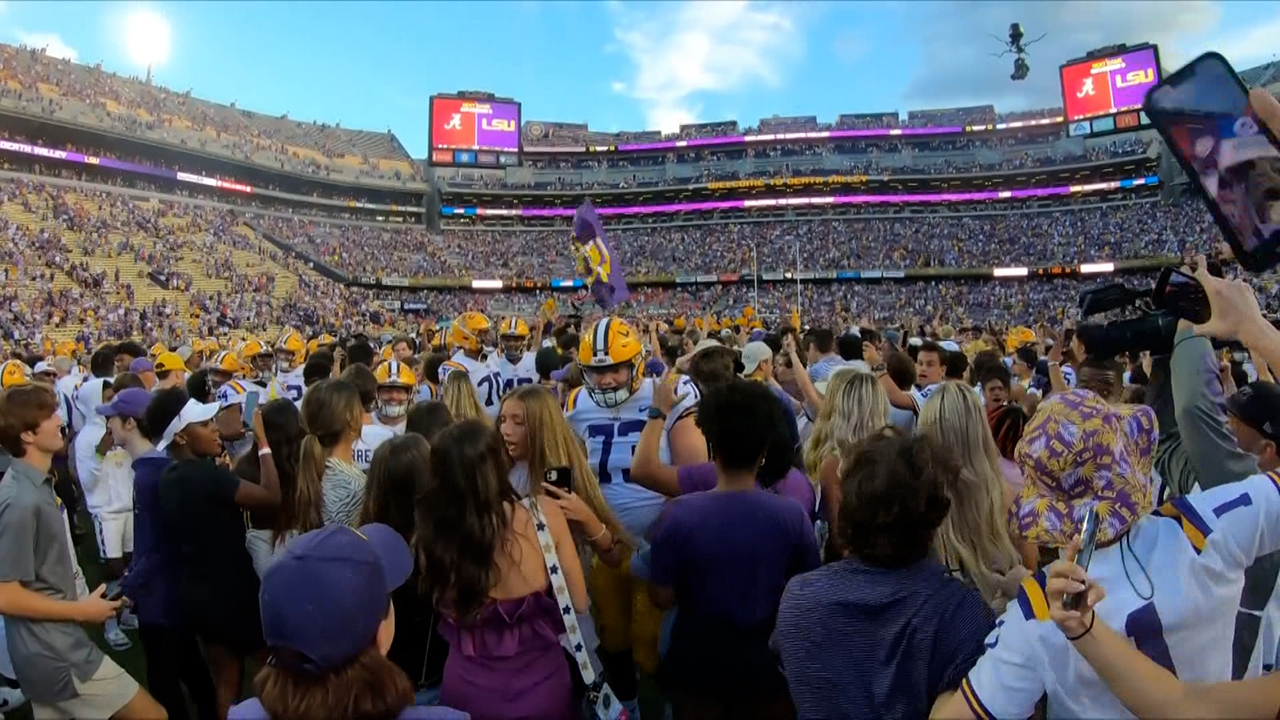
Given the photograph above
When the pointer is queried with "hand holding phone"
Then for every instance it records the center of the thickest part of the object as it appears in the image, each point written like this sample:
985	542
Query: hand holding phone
560	477
1182	294
1225	141
1088	541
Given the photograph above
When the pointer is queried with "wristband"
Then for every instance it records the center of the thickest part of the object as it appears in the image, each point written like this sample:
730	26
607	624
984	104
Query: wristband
264	451
1087	630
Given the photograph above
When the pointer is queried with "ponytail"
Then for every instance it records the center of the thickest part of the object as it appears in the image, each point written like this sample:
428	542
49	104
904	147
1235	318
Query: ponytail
306	508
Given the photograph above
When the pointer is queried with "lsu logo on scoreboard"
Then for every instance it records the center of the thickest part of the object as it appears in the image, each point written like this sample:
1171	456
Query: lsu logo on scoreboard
502	124
1136	77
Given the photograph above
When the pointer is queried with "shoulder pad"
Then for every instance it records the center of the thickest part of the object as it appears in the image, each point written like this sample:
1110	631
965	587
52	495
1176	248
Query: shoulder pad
1032	598
571	402
1188	518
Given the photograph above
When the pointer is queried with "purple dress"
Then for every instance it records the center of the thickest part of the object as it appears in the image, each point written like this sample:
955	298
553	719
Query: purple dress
508	663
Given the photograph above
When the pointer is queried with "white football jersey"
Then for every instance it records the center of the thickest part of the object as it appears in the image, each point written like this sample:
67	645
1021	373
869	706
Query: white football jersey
292	384
394	429
371	436
485	378
1173	586
514	375
611	436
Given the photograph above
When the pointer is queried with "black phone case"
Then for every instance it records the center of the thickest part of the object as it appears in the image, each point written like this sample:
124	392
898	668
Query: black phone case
1260	260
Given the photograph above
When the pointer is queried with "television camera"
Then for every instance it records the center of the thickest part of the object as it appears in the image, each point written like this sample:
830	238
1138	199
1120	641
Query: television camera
1015	46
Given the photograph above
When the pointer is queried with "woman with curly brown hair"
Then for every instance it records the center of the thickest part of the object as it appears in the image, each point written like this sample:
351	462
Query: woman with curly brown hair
483	567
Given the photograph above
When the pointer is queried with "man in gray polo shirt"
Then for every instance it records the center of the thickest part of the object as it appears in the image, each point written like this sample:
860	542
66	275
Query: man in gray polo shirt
59	668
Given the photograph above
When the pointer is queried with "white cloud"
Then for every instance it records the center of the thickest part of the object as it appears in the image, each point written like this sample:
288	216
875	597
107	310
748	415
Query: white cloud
618	86
52	42
956	67
680	51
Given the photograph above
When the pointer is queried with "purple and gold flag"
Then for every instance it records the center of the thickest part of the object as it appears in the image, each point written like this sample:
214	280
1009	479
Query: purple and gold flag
601	270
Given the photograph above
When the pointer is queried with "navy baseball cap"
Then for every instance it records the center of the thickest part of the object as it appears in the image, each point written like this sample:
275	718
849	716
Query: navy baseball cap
1258	406
130	403
324	597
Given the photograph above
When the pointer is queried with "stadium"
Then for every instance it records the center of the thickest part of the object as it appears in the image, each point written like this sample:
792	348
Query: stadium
857	213
203	256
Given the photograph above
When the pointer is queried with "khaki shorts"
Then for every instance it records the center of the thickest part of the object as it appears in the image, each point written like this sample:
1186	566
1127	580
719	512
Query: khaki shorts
103	695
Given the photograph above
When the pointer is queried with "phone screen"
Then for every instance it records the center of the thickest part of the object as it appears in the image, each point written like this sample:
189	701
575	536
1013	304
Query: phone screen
1088	540
250	406
1203	113
1184	295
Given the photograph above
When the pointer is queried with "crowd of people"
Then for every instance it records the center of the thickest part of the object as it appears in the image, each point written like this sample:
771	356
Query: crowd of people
538	517
50	87
876	158
1127	231
813	499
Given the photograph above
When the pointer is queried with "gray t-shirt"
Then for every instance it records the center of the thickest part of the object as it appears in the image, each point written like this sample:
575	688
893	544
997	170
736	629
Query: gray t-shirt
34	552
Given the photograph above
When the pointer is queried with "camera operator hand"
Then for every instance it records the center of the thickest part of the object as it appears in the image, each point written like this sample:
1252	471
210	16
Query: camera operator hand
1234	312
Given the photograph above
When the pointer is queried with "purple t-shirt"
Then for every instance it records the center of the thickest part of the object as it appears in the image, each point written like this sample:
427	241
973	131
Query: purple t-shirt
794	485
251	709
729	554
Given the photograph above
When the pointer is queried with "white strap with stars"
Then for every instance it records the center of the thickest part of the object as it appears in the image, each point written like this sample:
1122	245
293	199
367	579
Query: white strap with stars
561	591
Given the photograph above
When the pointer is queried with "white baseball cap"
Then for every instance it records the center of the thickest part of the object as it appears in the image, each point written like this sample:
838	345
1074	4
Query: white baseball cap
753	354
192	413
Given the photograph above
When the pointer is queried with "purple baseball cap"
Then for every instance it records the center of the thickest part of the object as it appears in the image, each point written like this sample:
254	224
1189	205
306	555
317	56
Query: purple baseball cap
325	596
654	368
130	403
141	365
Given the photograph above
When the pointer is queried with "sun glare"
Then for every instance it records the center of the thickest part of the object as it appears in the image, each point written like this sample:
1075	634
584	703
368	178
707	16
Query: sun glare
147	38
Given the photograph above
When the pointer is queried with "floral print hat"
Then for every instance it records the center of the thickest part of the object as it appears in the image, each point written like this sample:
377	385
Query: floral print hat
1077	452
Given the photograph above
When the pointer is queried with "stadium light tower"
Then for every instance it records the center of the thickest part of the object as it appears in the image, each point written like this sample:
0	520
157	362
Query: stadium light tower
147	39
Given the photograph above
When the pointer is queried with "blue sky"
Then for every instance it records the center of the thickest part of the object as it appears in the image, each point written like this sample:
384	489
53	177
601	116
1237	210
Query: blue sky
628	66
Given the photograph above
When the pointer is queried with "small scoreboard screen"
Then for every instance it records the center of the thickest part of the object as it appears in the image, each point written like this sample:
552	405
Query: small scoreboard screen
1103	95
474	133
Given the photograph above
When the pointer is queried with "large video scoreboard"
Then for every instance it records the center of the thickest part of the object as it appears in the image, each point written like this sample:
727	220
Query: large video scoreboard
467	132
1104	95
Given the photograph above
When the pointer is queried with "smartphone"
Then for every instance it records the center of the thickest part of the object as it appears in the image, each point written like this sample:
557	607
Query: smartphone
250	407
560	477
1181	294
1088	540
114	595
1202	112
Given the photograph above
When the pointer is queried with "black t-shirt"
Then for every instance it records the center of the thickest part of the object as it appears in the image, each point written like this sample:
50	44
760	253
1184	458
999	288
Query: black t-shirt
198	508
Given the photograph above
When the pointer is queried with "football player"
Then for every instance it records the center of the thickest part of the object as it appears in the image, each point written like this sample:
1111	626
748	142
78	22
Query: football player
290	352
516	365
261	367
608	413
232	390
468	334
396	385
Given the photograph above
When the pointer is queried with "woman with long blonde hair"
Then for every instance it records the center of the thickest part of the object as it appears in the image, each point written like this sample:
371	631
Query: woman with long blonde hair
460	397
974	539
855	408
538	438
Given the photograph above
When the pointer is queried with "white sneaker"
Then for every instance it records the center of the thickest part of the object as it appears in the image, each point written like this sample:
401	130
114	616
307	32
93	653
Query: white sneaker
116	638
128	621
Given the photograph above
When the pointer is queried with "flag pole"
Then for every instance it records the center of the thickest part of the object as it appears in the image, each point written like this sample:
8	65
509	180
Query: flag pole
755	276
797	278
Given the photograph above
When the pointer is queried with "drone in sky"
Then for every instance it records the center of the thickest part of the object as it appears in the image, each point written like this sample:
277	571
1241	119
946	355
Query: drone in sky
1015	46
